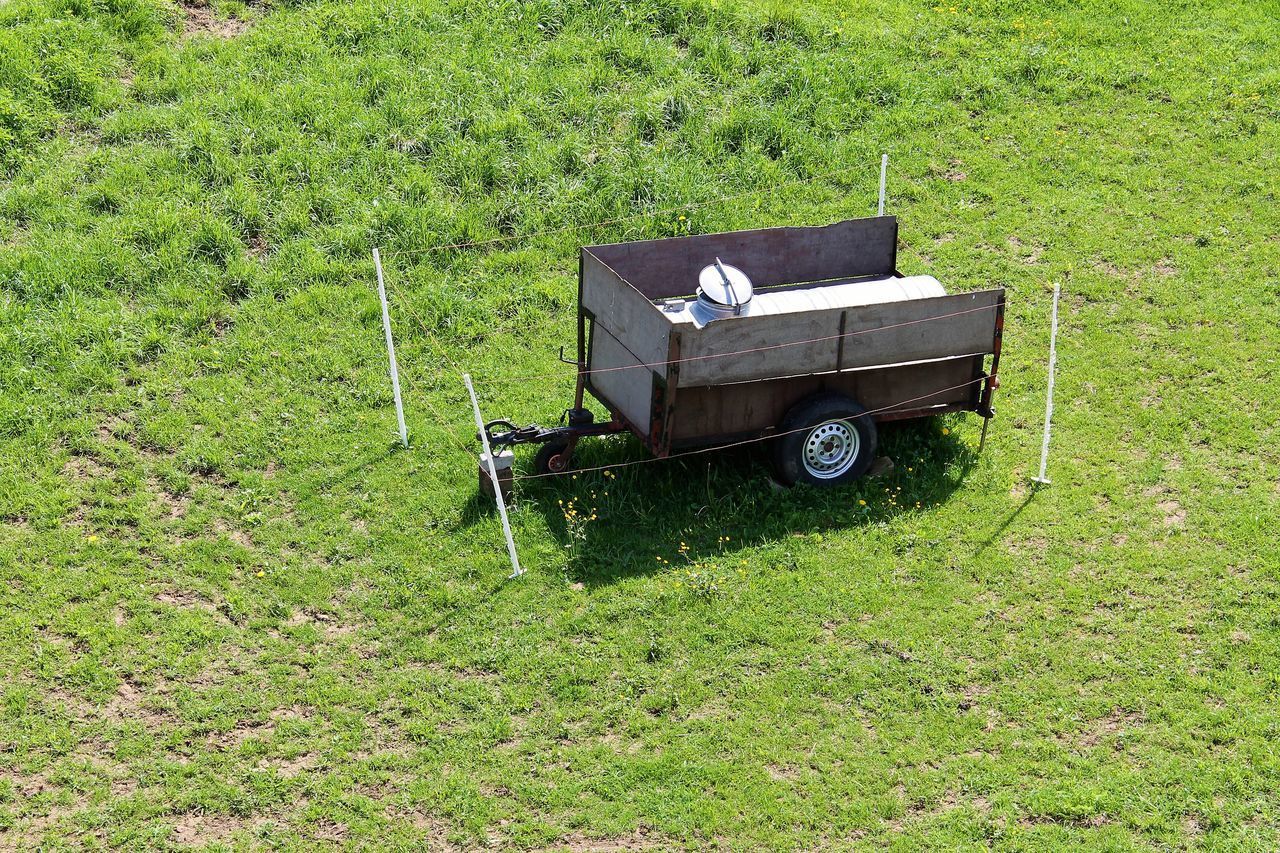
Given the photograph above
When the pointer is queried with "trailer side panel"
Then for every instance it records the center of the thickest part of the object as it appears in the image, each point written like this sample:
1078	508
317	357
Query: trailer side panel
718	413
615	305
622	383
661	269
769	347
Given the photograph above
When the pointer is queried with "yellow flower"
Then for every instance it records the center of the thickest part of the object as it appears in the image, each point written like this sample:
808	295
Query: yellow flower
259	573
92	537
946	431
861	502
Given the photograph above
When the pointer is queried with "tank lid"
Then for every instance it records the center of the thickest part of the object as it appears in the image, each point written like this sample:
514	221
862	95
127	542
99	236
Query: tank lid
724	285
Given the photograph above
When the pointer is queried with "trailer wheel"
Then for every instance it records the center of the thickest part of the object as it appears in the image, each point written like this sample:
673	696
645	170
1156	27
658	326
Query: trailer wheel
827	440
552	458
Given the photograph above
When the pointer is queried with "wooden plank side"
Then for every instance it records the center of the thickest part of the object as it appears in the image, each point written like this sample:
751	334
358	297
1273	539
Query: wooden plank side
919	329
873	335
714	414
660	269
730	350
634	322
628	392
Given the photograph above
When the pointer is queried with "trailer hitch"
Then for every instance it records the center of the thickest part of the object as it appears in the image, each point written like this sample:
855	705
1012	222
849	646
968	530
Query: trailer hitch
503	433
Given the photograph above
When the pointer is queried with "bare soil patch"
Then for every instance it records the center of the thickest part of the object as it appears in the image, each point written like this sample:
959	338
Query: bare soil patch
1116	722
578	842
82	468
199	20
204	829
172	506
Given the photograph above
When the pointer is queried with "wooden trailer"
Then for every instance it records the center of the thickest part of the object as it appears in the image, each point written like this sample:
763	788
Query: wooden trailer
829	340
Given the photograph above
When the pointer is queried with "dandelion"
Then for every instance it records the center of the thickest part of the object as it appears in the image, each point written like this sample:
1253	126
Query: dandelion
92	537
259	573
946	431
861	502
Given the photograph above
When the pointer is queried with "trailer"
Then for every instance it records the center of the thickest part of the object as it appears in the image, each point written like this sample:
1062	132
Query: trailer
809	336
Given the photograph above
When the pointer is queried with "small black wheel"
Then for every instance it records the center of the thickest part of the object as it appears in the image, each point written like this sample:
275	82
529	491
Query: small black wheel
827	440
552	458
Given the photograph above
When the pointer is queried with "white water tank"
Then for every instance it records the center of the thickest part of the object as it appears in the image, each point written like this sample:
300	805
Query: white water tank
714	304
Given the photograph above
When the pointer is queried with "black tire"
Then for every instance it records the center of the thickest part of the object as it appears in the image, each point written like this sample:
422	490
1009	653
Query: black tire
550	458
826	440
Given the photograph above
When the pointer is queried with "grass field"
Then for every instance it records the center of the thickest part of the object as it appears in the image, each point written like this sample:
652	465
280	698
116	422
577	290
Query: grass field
234	612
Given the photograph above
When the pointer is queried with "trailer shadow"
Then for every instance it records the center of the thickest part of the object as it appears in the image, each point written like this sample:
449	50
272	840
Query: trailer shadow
701	509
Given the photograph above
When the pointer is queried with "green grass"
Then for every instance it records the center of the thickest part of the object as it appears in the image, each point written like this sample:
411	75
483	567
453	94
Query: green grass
233	612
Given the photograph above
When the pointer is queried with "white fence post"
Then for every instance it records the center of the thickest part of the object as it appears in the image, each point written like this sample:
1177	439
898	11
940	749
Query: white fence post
391	350
1048	400
516	571
884	167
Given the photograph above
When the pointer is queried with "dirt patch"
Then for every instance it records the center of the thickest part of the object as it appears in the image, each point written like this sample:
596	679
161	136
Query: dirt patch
326	623
1165	267
433	829
131	704
1110	269
917	811
244	730
1032	255
82	468
199	20
26	785
970	695
204	829
330	830
782	773
290	767
1115	723
258	247
187	600
115	427
577	842
1172	514
954	174
32	833
234	534
1036	546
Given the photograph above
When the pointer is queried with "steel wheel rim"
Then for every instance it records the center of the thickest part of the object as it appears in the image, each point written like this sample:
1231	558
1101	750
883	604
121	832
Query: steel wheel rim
830	449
